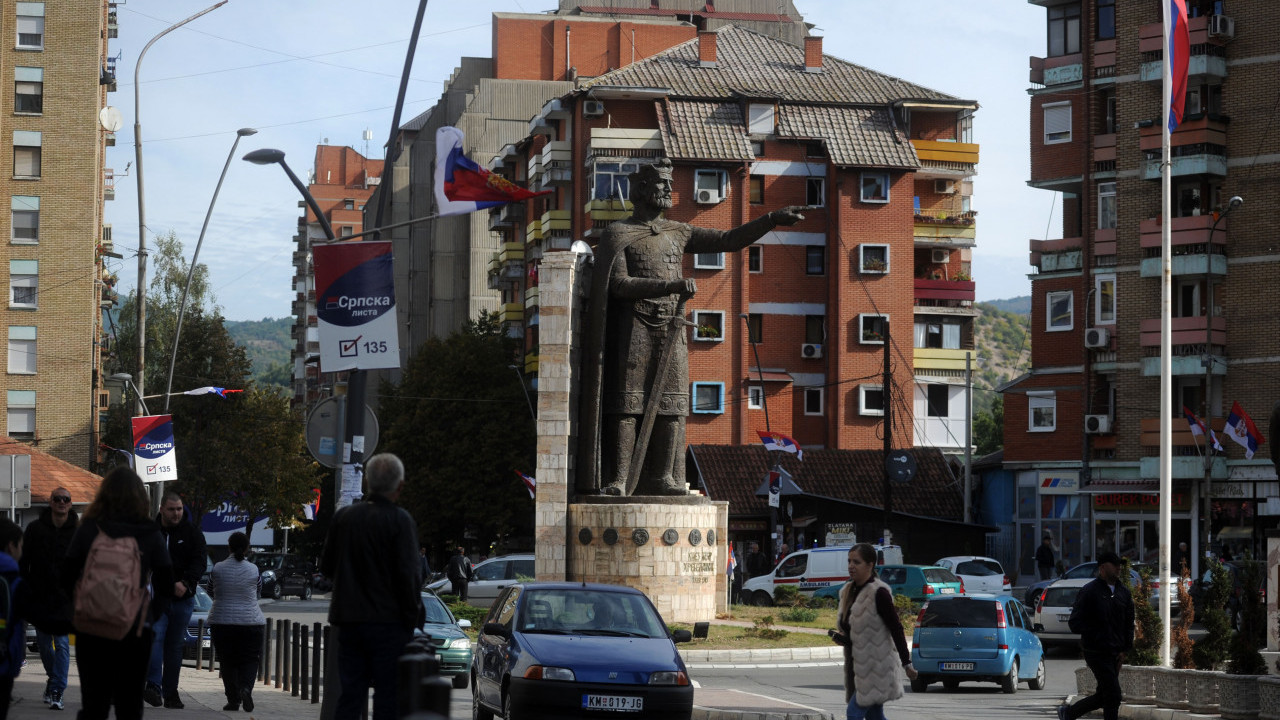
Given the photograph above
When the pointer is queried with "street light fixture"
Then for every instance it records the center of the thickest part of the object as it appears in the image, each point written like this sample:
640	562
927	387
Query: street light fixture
525	388
191	271
127	379
267	156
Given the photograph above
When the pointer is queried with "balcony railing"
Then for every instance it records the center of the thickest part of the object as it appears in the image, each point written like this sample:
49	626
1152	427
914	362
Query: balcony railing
1194	230
1184	331
1061	70
947	228
945	290
108	184
513	312
1056	254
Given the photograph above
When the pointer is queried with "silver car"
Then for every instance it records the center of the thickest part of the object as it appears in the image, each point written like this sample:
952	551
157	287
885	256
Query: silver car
980	574
1053	610
492	577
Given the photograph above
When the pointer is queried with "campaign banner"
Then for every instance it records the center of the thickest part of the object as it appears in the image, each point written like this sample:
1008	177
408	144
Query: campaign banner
218	525
154	451
356	306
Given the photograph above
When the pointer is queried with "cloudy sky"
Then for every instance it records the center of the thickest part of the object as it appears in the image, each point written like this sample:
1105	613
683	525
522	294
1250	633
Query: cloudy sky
305	73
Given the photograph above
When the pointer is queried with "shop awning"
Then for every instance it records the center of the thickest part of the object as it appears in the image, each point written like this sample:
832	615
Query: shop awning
1107	487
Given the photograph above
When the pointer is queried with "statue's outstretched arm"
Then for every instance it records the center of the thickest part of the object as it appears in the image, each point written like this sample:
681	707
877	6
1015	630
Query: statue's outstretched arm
705	240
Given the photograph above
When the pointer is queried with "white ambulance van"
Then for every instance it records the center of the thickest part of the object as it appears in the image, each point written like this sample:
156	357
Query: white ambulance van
810	570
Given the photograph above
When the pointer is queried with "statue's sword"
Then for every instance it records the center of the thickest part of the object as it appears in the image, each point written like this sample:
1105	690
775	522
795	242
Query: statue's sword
678	324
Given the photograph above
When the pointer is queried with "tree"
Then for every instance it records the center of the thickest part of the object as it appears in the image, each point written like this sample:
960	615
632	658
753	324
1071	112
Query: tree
988	427
458	420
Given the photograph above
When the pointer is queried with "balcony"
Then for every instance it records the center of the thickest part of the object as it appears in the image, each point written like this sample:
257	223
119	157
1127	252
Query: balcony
513	313
1104	58
945	159
944	290
1104	153
1184	331
1189	264
606	211
943	228
108	184
1056	255
1187	467
509	215
1198	147
556	228
531	297
533	232
557	166
1054	72
531	363
626	142
940	359
511	261
1207	63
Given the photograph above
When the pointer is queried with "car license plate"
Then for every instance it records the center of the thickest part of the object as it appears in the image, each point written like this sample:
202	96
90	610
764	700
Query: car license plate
620	703
957	666
948	591
1064	617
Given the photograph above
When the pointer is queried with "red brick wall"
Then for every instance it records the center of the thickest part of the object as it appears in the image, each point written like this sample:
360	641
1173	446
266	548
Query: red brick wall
1063	443
1061	159
1060	347
535	48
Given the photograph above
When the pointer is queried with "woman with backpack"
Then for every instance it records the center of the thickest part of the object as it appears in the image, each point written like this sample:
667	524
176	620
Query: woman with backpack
236	622
115	555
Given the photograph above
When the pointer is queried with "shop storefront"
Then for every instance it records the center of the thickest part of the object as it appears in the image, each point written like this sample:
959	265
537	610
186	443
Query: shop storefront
1050	503
1129	523
1240	513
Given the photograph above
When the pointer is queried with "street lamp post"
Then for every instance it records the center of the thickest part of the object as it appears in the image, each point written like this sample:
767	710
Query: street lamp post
525	388
127	379
191	271
142	204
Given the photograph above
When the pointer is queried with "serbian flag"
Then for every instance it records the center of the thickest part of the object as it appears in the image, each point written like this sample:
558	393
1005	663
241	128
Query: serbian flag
733	562
312	509
529	483
1199	429
1240	428
462	186
210	390
1177	55
778	441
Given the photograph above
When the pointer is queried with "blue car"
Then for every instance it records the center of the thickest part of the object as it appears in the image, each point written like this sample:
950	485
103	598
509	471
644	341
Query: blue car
983	638
575	650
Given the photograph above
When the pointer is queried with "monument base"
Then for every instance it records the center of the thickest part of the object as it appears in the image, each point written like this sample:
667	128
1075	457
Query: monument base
673	549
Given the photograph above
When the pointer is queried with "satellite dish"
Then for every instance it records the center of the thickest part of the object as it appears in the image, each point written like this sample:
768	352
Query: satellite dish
110	119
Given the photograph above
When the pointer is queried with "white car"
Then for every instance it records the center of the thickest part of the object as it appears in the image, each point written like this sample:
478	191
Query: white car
1053	610
492	577
980	574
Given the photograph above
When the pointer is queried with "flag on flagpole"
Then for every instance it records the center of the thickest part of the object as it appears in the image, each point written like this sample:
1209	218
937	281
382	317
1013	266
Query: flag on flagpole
733	562
312	509
461	186
778	441
1199	429
529	483
1240	428
1177	55
210	390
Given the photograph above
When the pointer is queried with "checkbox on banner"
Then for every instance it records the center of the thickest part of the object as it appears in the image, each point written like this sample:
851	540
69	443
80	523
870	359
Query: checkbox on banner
349	348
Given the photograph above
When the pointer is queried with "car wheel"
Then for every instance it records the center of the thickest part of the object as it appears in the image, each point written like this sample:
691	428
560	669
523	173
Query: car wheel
762	599
460	681
478	711
1040	680
951	684
306	592
277	592
1009	683
919	685
508	712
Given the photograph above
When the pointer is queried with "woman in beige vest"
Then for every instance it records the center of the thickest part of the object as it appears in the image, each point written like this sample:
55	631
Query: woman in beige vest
877	656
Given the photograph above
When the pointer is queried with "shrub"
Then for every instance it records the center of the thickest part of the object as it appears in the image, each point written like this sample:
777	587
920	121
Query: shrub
799	614
1147	630
1245	658
765	630
907	613
789	596
1183	658
1210	651
463	611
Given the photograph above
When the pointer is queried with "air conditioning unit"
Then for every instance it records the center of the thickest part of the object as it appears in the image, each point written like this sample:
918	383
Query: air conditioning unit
1221	26
944	187
1097	338
1097	424
941	255
813	351
592	108
708	197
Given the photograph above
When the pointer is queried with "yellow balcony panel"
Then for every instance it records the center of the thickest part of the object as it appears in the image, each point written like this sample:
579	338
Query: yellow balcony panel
606	211
556	220
531	297
939	359
511	252
949	152
533	233
513	312
530	363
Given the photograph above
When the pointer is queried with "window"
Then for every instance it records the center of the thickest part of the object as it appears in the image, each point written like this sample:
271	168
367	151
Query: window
755	189
1203	99
26	154
1109	113
1058	311
873	258
815	329
708	398
1186	299
28	90
937	401
349	204
871	400
346	231
815	192
1105	308
871	328
708	325
30	25
875	187
815	260
22	283
813	400
1057	123
1187	202
813	149
1042	410
710	186
757	148
610	180
1106	206
22	349
24	213
755	258
938	334
755	328
755	397
1106	19
760	118
708	261
1064	30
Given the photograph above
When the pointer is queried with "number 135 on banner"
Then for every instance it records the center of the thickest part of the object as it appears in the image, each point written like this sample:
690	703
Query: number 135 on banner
356	306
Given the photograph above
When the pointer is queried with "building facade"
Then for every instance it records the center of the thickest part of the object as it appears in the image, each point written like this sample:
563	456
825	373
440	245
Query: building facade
57	62
1082	429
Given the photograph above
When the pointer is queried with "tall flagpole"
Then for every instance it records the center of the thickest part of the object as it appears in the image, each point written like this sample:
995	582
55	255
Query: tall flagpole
1166	345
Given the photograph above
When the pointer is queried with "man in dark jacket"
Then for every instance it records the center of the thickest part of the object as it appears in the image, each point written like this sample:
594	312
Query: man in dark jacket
44	545
1044	558
757	563
460	573
187	550
372	557
1103	616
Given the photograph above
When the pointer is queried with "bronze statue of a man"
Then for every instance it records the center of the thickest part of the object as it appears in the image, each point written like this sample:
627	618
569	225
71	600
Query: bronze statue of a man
635	392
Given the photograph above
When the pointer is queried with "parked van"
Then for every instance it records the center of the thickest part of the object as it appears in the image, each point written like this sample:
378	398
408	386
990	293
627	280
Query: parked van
810	570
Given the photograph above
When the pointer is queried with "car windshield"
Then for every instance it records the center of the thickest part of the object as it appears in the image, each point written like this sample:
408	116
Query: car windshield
203	603
583	611
893	576
939	575
436	612
1061	597
267	562
1082	572
960	612
975	567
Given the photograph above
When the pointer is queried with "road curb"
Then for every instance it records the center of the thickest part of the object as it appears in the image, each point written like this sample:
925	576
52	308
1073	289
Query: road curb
804	655
741	705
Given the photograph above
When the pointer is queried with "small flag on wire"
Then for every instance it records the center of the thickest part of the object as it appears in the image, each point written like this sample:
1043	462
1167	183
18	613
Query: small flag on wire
1199	429
210	390
778	441
1240	428
529	483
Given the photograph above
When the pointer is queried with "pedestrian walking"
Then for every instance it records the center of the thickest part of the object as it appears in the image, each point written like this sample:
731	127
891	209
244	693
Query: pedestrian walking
236	622
757	562
1103	617
460	573
1181	557
113	671
12	610
186	546
372	556
1044	558
867	618
426	564
44	545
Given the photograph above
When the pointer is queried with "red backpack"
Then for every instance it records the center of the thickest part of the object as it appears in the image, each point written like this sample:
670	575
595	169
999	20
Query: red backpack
110	597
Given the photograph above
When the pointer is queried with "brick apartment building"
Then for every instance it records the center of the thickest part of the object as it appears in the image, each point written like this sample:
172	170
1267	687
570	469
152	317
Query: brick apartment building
58	64
1081	429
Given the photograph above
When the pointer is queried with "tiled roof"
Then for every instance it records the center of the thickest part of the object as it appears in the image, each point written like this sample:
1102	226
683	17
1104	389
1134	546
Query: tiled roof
862	136
663	12
734	472
48	473
704	131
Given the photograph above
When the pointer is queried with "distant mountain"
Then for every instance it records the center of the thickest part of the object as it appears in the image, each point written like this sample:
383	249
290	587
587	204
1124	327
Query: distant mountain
1018	305
1003	341
268	343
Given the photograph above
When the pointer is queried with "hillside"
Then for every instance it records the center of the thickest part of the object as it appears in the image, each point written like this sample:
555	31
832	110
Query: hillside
1002	338
268	343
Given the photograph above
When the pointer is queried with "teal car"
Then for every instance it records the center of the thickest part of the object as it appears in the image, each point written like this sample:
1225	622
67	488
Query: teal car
451	644
917	582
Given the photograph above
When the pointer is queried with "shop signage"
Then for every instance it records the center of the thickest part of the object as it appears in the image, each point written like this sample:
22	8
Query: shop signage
748	525
1139	502
1059	482
1233	490
840	534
